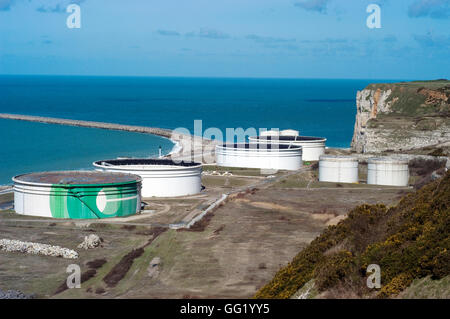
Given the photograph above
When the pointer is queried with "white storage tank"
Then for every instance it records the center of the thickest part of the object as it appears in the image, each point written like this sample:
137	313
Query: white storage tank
312	147
160	177
390	171
283	157
338	169
77	194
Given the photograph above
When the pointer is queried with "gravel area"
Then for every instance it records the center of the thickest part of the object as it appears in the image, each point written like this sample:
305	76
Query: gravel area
14	294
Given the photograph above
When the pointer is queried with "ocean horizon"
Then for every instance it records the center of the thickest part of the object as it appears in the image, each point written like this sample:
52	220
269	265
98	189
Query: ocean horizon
315	107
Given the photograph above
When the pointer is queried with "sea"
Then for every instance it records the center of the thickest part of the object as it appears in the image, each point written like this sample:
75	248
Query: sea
315	107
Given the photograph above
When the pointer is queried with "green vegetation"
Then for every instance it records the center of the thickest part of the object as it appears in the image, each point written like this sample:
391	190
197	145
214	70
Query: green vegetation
226	182
432	85
409	241
418	98
294	181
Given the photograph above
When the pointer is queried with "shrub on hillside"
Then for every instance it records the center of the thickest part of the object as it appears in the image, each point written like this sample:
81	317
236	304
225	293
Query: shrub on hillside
408	241
333	269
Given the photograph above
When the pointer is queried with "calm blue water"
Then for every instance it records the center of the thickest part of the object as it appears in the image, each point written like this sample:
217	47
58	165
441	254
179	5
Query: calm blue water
315	107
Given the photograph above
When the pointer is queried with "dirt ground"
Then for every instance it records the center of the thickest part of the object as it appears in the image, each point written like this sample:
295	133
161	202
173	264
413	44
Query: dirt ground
230	253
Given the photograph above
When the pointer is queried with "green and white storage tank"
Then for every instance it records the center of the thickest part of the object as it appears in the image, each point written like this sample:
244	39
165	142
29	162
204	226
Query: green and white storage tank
77	194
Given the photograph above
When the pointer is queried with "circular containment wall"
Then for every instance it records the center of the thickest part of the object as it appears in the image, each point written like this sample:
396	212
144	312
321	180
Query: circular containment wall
387	171
271	156
77	194
160	177
312	147
338	169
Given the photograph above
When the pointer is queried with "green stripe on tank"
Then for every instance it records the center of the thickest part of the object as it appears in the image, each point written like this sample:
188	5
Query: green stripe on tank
93	202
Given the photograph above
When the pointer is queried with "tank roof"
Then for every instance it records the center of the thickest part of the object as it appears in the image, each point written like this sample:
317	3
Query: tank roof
339	158
76	178
254	146
387	160
146	161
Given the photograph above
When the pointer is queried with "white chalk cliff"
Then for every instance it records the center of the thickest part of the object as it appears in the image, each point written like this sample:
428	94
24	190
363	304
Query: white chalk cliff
404	116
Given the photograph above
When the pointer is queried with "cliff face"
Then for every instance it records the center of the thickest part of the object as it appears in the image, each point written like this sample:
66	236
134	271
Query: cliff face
402	116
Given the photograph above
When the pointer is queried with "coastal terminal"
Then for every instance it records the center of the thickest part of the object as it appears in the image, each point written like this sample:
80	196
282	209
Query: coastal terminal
257	202
213	152
116	186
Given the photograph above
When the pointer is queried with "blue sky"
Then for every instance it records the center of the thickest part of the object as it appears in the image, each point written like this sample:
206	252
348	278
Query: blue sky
227	38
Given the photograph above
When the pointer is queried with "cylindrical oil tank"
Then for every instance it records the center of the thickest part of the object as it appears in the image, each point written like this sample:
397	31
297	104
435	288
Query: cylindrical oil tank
387	171
77	194
312	147
160	177
338	169
271	156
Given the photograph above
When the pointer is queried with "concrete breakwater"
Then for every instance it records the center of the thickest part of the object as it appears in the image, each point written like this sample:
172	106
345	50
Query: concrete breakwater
186	144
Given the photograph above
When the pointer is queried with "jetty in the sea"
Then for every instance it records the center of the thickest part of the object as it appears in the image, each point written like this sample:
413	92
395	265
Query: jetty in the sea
189	144
108	126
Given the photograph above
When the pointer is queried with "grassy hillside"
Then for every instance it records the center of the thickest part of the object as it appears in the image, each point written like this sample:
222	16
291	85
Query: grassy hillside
418	98
409	241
